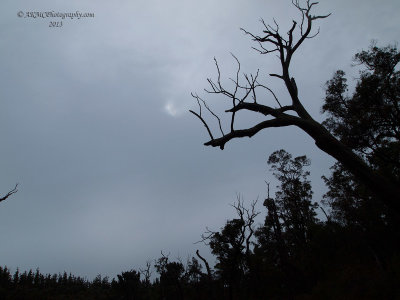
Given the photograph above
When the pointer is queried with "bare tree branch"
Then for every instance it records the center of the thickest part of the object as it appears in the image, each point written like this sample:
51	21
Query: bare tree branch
263	109
328	218
247	216
207	235
282	122
146	272
204	122
209	274
13	191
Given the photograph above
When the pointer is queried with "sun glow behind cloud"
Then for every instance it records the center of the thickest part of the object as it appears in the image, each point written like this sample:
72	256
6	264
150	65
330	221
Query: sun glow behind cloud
171	109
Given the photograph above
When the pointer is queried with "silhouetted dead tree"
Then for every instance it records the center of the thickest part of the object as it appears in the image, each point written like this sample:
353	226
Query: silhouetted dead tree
243	97
246	218
146	272
13	191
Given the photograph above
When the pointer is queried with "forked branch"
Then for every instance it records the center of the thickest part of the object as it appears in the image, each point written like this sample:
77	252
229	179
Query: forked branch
13	191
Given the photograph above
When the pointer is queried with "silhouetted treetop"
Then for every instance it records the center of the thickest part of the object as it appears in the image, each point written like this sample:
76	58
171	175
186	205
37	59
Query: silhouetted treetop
368	121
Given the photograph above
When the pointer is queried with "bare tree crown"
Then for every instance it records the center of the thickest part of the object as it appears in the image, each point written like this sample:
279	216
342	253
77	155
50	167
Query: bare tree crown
244	96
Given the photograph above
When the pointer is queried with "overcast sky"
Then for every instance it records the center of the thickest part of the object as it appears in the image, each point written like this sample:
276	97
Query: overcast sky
94	122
